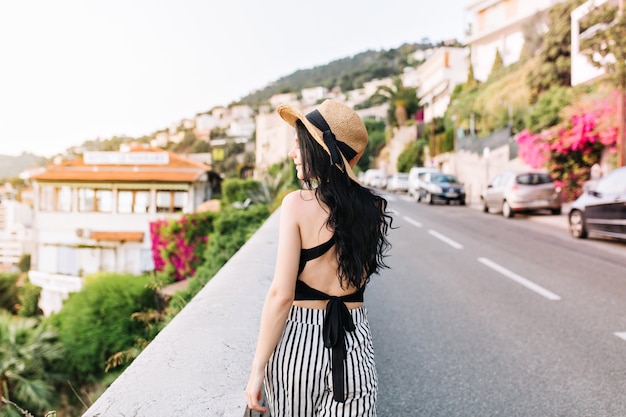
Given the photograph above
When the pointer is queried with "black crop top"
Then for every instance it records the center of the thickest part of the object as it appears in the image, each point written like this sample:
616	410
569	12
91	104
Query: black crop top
338	319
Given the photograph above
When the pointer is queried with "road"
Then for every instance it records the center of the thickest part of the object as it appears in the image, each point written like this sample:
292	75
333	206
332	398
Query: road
480	315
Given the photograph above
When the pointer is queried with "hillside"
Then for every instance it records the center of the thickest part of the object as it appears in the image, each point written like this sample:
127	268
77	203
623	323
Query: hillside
12	166
347	73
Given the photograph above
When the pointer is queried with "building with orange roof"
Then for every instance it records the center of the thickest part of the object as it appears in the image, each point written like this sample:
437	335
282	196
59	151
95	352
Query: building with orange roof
93	214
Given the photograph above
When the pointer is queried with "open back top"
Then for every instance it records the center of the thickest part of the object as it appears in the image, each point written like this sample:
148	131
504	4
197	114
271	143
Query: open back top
338	319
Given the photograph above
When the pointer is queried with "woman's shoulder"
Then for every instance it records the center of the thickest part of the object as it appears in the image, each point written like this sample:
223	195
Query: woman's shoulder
298	198
300	203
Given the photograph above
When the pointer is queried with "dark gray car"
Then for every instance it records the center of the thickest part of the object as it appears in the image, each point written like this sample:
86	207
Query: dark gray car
602	208
439	186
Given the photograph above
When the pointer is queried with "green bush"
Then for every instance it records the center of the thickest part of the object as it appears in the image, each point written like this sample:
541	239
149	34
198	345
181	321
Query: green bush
546	112
8	291
412	156
234	190
96	322
233	227
24	263
28	295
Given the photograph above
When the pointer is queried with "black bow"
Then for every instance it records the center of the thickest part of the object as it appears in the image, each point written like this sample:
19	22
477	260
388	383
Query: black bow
338	320
335	146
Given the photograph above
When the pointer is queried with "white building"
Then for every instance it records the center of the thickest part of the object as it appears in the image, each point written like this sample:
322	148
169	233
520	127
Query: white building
438	76
498	25
16	232
313	95
274	140
582	70
94	214
285	98
370	87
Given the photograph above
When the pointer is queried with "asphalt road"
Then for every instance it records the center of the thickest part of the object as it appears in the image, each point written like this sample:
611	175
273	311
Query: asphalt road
485	316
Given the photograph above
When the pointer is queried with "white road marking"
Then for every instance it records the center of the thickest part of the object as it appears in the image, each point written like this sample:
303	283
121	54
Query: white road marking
413	222
449	241
621	335
520	280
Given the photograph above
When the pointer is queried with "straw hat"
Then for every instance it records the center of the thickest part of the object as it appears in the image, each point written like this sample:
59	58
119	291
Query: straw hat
337	128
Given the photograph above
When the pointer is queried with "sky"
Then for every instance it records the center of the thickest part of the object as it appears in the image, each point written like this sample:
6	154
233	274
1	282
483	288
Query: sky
77	70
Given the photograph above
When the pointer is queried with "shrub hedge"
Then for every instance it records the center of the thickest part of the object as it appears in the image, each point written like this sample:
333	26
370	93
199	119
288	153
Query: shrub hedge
96	322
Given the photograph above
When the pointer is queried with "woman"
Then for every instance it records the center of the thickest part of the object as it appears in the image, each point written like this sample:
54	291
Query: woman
314	350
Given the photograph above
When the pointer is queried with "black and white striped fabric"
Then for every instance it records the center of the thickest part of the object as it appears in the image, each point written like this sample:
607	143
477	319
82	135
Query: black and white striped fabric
298	378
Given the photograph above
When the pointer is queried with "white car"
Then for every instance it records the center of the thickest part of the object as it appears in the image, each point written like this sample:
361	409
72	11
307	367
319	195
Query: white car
373	178
398	182
413	185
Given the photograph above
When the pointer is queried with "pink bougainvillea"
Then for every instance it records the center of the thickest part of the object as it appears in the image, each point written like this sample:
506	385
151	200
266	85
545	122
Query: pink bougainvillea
568	150
533	149
178	244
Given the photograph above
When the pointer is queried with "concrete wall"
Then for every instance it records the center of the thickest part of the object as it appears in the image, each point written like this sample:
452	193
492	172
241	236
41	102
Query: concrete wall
198	365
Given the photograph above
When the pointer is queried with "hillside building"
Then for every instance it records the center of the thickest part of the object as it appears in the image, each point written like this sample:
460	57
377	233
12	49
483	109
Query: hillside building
93	214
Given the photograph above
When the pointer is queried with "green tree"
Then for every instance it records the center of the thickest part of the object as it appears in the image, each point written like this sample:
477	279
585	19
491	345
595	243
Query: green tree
376	141
200	146
412	156
403	102
28	350
554	66
8	291
608	42
498	64
547	111
233	152
185	145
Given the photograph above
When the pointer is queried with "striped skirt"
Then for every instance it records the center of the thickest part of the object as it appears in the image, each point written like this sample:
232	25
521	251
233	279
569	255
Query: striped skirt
298	379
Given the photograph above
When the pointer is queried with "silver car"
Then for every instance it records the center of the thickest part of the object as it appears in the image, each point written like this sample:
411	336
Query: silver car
513	192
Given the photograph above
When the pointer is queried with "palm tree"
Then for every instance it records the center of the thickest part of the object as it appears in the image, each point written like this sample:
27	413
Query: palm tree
27	350
403	102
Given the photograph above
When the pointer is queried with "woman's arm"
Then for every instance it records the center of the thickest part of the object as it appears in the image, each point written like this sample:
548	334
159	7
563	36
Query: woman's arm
279	297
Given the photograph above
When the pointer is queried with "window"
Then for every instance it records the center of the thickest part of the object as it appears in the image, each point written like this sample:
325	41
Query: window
95	200
64	199
55	198
534	179
46	198
170	201
67	261
133	201
613	183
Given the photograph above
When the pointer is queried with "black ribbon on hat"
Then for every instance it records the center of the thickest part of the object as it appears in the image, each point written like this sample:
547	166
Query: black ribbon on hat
335	146
337	322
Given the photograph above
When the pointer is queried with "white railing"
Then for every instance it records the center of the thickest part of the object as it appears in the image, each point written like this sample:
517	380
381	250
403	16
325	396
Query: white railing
10	251
54	289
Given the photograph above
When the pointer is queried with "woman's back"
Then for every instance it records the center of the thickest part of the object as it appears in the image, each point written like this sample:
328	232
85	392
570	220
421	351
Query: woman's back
319	273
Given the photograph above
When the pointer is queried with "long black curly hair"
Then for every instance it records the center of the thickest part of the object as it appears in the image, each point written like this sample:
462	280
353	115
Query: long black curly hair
357	215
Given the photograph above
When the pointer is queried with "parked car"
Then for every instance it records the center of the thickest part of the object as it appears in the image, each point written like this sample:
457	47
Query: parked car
602	208
398	182
415	175
514	192
439	186
373	178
